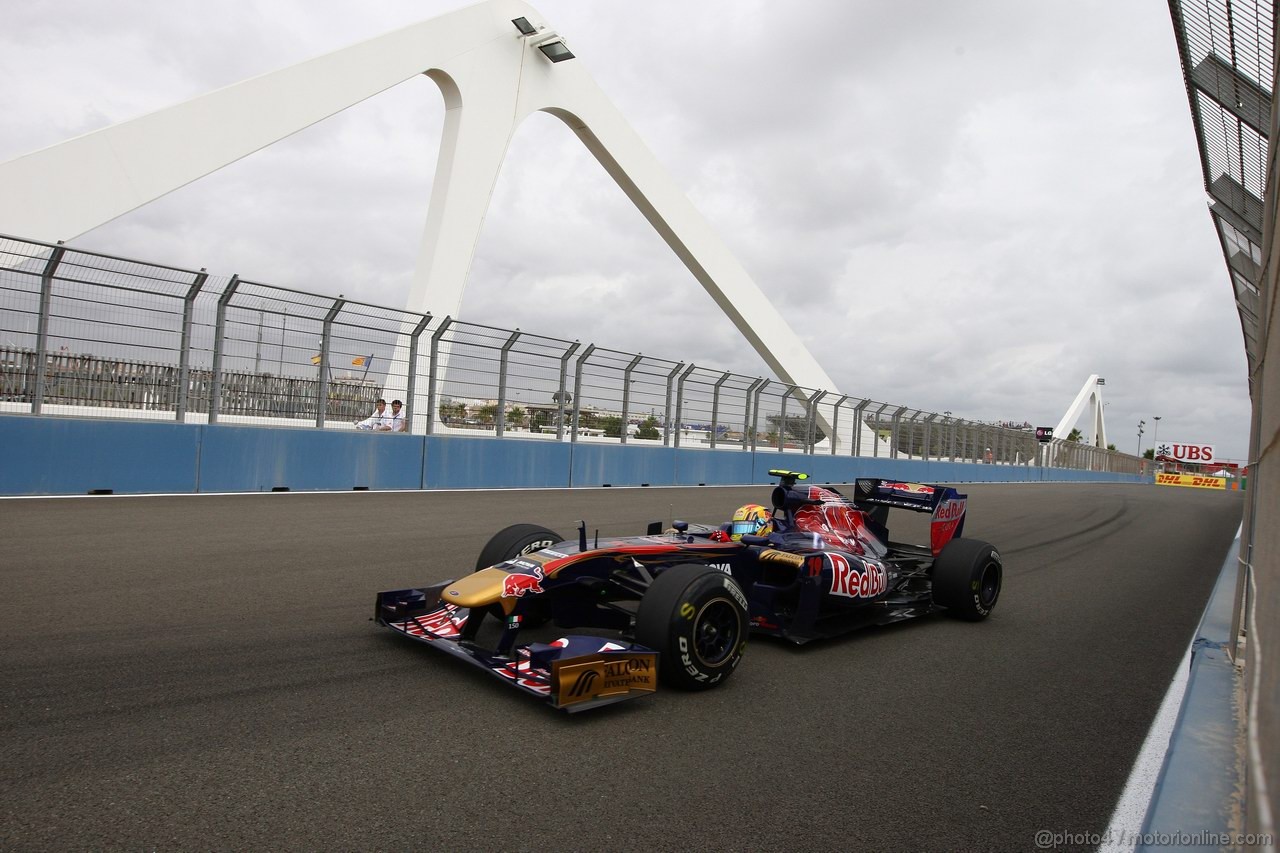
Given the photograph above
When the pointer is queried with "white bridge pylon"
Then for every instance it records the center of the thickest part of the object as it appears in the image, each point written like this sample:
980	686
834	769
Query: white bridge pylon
1090	397
491	76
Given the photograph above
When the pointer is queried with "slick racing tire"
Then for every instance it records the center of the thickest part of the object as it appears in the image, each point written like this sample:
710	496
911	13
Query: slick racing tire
695	617
511	542
967	577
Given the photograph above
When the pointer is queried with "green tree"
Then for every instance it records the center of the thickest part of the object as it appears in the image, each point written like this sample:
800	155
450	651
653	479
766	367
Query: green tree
1111	447
516	416
1075	435
488	413
1149	453
649	428
612	426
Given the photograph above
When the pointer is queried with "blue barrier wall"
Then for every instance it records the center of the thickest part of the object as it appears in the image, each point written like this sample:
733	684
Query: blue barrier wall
459	462
68	456
62	456
255	459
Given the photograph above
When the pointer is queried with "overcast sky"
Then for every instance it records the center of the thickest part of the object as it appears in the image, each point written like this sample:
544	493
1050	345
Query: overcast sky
959	206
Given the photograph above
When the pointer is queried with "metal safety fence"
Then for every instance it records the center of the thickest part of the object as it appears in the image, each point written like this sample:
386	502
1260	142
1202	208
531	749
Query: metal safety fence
90	335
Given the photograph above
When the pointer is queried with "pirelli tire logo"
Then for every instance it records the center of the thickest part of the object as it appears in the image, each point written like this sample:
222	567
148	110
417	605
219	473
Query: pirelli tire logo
597	676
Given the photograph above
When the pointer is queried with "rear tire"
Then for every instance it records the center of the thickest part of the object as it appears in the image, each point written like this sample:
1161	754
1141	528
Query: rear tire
513	541
695	617
967	577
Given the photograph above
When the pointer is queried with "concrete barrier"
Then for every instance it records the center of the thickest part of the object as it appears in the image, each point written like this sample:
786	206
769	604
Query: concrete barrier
67	456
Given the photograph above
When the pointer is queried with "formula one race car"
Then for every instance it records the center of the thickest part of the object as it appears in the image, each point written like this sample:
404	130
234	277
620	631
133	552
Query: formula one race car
679	604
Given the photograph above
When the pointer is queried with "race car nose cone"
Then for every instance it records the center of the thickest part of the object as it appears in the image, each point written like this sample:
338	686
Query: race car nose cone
477	590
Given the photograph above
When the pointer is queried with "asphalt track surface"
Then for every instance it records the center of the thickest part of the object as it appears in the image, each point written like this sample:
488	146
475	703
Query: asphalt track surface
199	672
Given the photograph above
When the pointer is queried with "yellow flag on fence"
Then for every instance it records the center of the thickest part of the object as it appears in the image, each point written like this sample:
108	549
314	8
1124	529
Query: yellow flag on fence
358	362
315	359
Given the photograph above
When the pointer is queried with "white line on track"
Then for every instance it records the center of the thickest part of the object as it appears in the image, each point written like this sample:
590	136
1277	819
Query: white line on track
1131	811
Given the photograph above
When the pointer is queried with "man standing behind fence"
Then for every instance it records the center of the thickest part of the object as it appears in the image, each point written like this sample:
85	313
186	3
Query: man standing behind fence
379	420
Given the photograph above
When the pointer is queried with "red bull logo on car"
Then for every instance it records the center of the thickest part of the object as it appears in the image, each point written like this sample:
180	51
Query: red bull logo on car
909	488
857	581
947	518
949	510
516	585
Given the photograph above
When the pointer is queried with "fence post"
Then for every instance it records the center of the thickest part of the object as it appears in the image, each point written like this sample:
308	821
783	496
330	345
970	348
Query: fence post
715	407
626	396
858	425
326	336
928	437
666	414
42	326
782	418
577	391
875	445
912	450
755	412
184	352
432	374
809	430
748	440
835	422
219	332
680	400
560	395
504	360
411	380
896	423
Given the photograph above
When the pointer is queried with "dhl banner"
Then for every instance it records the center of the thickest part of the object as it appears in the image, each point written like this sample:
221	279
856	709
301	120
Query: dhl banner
1192	480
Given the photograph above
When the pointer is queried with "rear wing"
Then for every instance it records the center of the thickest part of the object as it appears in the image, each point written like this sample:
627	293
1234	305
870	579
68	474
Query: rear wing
946	506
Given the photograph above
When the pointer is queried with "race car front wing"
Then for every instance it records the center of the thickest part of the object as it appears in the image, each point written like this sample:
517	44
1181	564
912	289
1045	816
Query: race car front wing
573	673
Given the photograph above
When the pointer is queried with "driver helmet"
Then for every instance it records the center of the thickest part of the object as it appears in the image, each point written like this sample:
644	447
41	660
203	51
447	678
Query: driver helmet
752	519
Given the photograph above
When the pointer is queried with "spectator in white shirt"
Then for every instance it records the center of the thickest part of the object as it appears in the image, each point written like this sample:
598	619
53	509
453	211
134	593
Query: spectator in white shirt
379	420
396	423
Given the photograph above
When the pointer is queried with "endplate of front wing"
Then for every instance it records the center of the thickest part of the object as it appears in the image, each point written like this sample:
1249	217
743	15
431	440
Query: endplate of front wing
572	673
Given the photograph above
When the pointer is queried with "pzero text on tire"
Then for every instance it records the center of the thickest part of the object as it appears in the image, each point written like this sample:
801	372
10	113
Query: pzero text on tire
967	577
516	540
695	617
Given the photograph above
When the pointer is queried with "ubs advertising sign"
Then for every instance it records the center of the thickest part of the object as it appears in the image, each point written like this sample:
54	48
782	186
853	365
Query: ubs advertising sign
1178	452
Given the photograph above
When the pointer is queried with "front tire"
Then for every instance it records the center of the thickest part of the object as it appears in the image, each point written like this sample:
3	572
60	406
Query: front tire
695	617
514	541
966	578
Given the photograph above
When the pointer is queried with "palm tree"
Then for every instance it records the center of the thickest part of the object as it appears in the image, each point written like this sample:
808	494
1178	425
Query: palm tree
450	409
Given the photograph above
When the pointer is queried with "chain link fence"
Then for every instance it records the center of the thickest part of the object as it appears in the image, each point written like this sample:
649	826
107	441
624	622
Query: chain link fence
90	335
